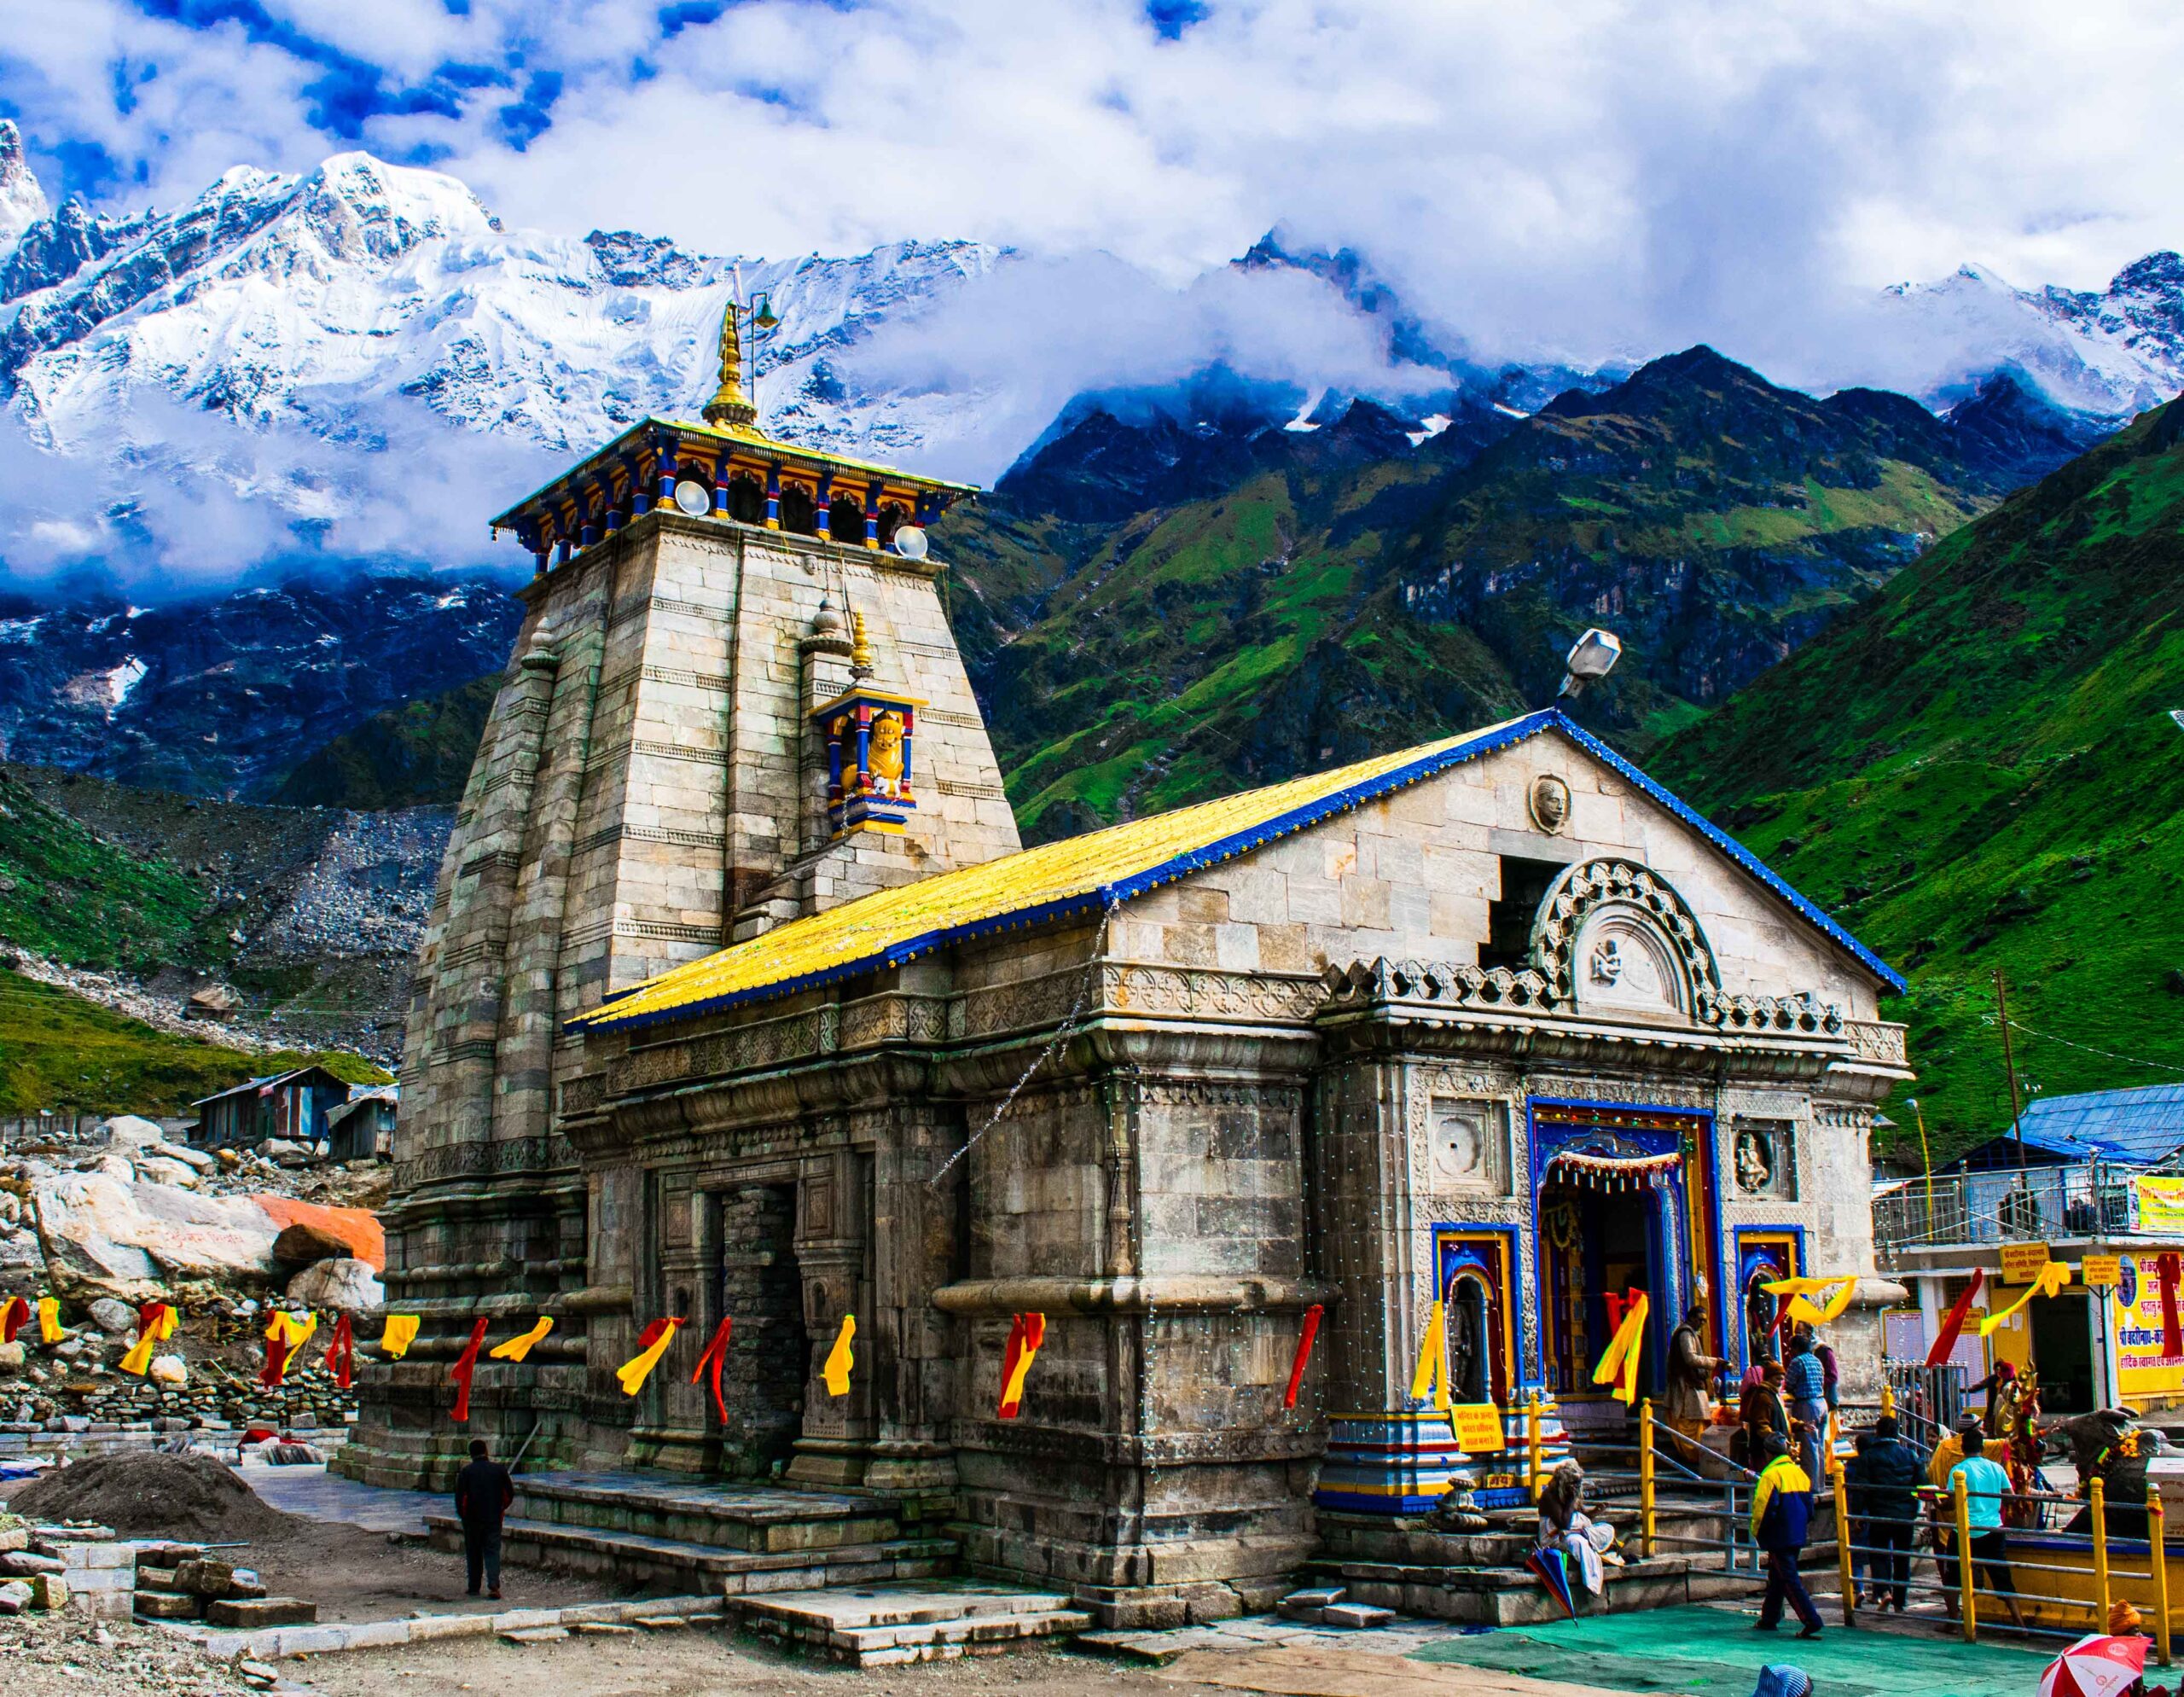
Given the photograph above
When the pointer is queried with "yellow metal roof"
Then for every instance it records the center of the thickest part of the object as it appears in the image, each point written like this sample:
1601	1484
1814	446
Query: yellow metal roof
1077	875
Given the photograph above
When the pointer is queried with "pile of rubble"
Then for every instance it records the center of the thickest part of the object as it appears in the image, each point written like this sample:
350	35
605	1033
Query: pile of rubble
183	1582
224	1237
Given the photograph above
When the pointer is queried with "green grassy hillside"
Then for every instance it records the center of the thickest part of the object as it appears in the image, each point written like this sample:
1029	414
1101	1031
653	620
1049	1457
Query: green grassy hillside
59	1052
69	894
1333	605
414	755
1979	771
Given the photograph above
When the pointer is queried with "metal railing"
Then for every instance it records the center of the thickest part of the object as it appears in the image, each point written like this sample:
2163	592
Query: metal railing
2092	1199
2023	1576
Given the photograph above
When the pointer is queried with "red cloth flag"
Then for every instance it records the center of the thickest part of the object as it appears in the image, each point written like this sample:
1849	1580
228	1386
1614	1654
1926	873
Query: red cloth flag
1304	1352
341	1356
715	1358
1025	1333
13	1318
1953	1322
2172	1335
276	1363
465	1365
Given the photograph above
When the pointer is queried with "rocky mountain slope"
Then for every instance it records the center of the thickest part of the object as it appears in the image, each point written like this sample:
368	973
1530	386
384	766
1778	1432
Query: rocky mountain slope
135	898
1346	590
1979	769
223	697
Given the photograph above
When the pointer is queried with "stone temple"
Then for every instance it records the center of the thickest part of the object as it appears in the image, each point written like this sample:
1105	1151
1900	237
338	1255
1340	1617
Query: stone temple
742	997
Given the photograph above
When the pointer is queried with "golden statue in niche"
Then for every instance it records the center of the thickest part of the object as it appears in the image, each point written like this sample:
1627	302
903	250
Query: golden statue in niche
886	755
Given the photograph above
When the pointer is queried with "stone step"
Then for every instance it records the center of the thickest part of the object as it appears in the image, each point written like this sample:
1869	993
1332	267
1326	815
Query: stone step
1511	1596
640	1559
912	1624
758	1519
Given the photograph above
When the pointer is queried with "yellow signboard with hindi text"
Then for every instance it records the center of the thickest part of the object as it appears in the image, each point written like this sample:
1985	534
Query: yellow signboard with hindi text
2022	1262
1478	1428
2161	1204
2101	1272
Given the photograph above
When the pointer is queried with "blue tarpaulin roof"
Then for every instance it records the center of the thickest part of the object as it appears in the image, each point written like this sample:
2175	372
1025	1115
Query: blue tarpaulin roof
2139	1125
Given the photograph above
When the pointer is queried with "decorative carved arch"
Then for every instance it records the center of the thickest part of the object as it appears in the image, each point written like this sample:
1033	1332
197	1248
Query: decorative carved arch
1591	884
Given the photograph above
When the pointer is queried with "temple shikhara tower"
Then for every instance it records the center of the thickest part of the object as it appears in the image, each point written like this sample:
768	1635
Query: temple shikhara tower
741	999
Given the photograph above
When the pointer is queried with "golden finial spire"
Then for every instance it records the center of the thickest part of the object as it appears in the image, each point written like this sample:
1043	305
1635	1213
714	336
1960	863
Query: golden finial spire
861	665
728	408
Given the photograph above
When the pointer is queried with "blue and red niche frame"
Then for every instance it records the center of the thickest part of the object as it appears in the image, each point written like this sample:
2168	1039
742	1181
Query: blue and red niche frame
871	745
1598	1138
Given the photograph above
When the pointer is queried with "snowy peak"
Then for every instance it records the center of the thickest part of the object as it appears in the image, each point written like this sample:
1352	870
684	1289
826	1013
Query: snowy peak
363	209
22	202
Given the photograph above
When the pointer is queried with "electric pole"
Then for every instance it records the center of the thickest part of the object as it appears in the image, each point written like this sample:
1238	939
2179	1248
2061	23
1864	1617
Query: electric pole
2009	1066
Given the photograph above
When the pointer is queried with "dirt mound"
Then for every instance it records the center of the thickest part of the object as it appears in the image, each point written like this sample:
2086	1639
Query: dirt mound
144	1493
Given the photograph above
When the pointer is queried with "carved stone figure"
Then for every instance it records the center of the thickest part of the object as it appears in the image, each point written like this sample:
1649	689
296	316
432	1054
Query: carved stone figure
1607	961
1550	802
1755	1156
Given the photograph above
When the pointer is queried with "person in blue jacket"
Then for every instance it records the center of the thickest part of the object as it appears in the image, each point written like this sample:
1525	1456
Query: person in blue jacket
1781	1515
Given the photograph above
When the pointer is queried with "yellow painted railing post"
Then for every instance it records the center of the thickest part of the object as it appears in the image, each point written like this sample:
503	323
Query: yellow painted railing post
1834	1432
1532	1480
1645	1525
1846	1563
1887	1397
2158	1536
2097	1496
1969	1616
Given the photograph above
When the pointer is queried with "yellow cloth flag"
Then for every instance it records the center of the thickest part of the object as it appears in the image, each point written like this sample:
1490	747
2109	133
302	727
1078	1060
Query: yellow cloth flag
138	1361
1800	1290
286	1328
1431	1373
401	1331
516	1348
841	1359
1619	1361
49	1319
638	1367
2052	1277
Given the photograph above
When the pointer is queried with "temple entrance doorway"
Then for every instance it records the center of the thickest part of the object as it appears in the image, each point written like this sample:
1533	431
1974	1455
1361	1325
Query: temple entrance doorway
1598	1238
769	1352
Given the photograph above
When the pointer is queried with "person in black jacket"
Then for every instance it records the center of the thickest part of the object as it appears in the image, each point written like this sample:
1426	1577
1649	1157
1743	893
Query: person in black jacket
1884	1482
483	1492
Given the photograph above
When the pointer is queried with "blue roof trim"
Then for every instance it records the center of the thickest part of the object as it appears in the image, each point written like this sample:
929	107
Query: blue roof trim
1105	896
1730	847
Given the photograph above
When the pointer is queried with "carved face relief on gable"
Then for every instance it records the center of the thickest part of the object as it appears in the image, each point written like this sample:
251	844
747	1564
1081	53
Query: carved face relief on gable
1549	801
1471	1145
1628	966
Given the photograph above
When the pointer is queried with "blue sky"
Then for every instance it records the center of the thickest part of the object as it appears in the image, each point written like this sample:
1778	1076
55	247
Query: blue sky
1680	166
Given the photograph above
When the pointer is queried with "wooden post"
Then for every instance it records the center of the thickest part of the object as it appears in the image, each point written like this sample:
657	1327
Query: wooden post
2158	1536
1646	1523
2097	1496
1968	1616
1846	1564
1532	1480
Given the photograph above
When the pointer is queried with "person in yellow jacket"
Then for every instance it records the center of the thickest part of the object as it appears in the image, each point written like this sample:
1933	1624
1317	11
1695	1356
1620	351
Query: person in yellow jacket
1781	1515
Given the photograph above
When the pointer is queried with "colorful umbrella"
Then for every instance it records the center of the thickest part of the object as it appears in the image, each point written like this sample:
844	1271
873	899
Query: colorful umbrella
2095	1666
1552	1571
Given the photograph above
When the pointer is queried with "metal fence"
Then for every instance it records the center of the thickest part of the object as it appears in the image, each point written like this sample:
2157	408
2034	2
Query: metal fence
2094	1199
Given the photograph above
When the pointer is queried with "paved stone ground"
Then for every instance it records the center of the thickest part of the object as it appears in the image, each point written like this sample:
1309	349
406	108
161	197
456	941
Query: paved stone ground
316	1495
1260	1631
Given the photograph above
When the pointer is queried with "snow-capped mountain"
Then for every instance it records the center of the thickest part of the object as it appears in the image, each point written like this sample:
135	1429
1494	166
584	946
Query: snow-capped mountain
2111	354
22	202
307	300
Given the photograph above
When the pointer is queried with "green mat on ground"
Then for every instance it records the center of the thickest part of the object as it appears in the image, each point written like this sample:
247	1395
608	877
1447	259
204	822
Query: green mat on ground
1715	1652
